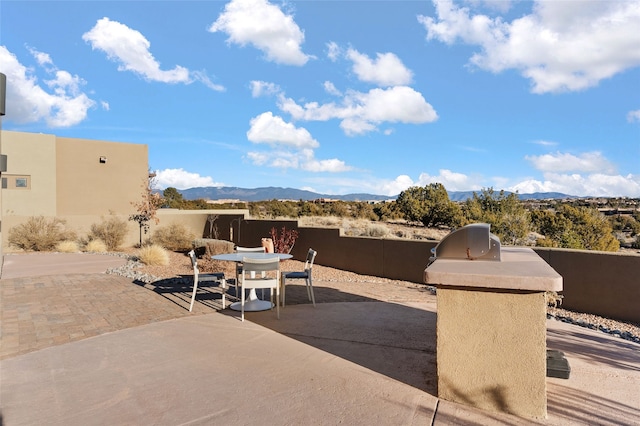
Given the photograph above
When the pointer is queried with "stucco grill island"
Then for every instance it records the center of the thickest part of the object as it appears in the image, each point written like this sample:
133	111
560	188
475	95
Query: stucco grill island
491	324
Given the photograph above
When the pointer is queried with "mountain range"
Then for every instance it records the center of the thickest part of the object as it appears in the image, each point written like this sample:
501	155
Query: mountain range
278	193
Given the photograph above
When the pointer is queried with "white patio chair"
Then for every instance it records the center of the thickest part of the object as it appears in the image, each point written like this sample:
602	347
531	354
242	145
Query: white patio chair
268	277
198	277
306	275
246	250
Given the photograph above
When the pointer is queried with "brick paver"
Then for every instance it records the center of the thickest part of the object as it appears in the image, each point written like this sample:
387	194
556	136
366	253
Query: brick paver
44	311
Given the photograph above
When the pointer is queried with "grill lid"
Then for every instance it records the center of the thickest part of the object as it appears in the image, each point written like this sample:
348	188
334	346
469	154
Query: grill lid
471	242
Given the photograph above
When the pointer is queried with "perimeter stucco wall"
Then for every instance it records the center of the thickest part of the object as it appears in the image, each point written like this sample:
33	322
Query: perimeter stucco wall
491	350
85	186
30	155
601	283
395	259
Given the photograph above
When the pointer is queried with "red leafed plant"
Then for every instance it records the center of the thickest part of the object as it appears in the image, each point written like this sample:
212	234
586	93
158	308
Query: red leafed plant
284	242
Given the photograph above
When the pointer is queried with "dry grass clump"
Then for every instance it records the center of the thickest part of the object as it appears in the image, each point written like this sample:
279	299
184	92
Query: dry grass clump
67	246
153	255
111	231
40	234
174	237
365	228
320	222
96	246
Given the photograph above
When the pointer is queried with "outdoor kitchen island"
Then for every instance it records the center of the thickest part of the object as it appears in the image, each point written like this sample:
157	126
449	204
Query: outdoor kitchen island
491	324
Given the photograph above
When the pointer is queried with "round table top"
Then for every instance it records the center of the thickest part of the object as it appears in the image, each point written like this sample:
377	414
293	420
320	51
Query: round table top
237	257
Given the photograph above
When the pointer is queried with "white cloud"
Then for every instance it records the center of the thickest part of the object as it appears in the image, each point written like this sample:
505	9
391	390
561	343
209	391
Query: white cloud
590	162
292	147
297	159
452	181
386	70
633	116
560	46
396	186
181	179
131	50
273	130
586	174
266	27
545	143
263	88
63	105
595	184
331	89
333	51
42	58
363	112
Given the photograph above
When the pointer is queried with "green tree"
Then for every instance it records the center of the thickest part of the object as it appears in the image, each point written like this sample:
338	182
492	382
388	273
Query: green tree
387	211
429	205
576	227
172	198
309	208
364	210
508	217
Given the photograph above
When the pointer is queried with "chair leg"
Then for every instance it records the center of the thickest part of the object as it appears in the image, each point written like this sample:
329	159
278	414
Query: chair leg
310	290
223	284
284	286
242	305
193	296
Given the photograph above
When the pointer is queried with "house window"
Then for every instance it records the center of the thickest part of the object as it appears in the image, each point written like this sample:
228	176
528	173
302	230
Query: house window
16	181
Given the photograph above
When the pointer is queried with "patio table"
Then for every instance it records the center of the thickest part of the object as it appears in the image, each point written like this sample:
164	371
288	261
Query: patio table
252	304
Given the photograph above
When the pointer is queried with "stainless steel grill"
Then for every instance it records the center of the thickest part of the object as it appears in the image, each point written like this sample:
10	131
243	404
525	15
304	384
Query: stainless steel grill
472	242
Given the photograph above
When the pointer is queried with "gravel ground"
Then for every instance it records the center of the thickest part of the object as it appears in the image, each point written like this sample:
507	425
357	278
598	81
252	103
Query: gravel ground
179	264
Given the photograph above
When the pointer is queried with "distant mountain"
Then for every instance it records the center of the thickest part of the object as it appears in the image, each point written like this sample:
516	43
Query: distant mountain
277	193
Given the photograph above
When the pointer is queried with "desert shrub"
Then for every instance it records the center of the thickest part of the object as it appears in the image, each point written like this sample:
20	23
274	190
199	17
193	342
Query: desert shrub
67	246
111	231
40	234
153	255
174	237
553	298
374	230
284	242
364	228
96	246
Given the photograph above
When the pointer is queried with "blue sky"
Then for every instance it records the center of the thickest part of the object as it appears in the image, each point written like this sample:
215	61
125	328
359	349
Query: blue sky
340	96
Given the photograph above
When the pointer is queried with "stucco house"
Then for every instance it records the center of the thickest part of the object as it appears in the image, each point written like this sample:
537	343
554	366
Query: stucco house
77	180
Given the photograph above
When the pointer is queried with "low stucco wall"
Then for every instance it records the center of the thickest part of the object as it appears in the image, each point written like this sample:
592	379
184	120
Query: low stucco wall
601	283
194	220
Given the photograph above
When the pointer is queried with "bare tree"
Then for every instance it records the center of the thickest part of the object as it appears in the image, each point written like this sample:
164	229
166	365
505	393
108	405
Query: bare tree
147	206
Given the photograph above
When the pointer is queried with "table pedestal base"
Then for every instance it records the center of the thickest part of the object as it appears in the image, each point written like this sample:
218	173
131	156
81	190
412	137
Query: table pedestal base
252	303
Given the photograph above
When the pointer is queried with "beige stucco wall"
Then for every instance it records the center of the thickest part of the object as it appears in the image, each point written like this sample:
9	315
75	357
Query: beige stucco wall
33	155
195	221
85	186
491	350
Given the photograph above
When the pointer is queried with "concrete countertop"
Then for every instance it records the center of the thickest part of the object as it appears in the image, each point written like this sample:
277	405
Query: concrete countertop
520	268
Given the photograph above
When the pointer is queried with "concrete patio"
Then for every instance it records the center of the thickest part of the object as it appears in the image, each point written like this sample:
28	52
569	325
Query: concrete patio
80	347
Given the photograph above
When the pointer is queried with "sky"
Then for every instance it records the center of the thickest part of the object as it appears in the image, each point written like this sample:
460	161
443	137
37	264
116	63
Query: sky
340	97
